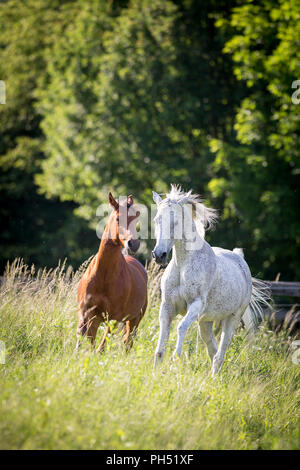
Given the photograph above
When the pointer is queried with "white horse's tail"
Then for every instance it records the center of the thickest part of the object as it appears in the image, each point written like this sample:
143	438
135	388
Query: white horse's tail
260	300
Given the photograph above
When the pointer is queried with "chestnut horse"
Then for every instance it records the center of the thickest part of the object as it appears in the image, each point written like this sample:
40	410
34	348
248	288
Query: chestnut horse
114	286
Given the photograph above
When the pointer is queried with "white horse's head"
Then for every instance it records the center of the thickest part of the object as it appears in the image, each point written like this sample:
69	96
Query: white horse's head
178	216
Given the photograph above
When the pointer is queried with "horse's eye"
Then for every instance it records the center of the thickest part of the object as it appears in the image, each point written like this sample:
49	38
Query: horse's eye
118	219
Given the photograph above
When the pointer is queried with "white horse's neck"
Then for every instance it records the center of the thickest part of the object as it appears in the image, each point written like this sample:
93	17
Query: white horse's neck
191	241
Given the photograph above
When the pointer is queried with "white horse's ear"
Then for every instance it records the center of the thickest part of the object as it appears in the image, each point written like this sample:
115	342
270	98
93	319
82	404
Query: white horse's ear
183	200
156	197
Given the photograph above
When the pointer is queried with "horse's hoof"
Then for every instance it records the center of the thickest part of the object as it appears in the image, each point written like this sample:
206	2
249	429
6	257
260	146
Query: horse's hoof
217	365
158	358
175	356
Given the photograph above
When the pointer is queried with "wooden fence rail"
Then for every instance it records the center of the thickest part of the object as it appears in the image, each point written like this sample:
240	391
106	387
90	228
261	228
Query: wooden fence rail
286	289
287	315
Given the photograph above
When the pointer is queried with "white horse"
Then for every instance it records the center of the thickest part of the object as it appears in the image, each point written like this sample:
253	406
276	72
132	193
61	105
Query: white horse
201	282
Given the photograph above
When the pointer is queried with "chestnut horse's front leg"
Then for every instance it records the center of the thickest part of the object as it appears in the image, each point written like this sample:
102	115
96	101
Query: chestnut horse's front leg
103	341
92	327
88	325
81	329
130	331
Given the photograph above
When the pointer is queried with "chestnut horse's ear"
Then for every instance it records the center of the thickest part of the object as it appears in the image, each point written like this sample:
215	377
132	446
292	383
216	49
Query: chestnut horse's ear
130	200
113	202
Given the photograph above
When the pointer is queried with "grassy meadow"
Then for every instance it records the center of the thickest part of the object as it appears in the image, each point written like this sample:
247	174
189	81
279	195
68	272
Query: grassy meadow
52	397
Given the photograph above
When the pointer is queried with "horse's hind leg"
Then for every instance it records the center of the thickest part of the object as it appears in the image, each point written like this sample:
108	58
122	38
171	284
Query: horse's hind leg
229	325
207	335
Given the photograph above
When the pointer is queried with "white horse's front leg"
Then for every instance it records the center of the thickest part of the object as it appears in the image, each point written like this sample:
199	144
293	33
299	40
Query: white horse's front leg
166	314
194	312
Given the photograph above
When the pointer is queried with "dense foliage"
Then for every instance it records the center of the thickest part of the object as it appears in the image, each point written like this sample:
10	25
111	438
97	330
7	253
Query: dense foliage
131	96
38	229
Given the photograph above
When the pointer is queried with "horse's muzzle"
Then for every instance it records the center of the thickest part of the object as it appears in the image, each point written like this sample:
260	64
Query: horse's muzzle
133	246
160	258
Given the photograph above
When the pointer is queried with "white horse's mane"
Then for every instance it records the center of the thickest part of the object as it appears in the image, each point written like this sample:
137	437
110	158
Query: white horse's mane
208	216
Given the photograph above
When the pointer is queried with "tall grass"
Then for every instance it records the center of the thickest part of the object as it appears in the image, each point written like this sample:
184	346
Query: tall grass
53	397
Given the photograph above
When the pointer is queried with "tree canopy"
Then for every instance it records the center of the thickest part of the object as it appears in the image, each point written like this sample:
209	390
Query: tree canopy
133	96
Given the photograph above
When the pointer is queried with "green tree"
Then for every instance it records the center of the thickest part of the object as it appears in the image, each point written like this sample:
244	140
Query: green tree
257	176
33	227
133	102
131	96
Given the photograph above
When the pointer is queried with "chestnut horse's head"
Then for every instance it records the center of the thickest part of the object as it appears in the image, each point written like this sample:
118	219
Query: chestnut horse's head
121	226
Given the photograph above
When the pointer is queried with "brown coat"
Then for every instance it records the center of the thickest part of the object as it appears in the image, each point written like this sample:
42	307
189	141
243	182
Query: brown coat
114	286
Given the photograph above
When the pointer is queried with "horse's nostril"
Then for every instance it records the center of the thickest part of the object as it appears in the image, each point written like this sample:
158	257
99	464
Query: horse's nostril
164	254
133	245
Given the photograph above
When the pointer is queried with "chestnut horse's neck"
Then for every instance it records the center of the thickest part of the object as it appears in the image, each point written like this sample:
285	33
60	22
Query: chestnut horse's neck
109	256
